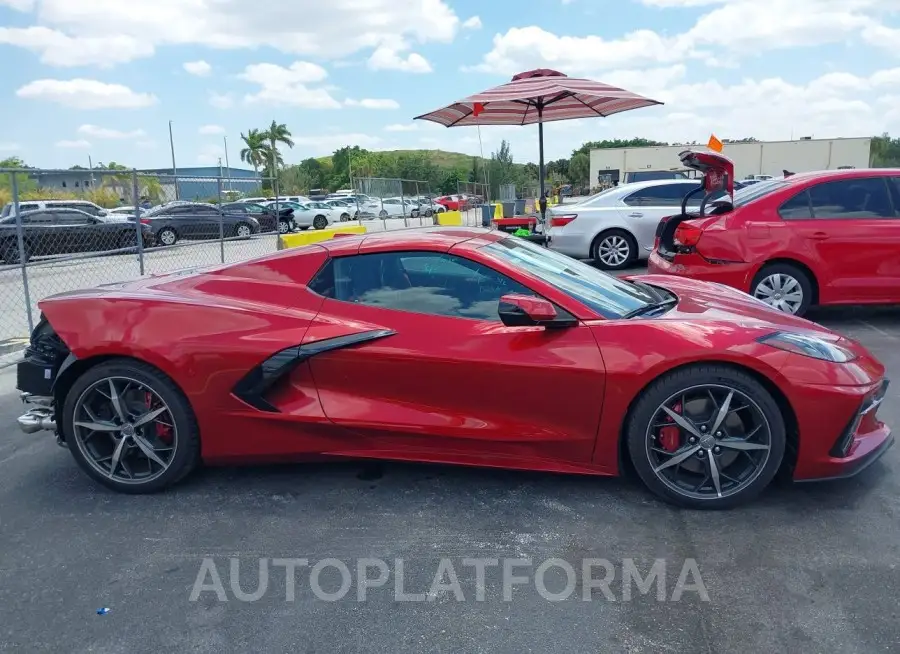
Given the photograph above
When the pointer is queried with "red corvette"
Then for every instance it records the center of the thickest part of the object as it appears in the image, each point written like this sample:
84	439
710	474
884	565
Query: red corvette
826	238
398	346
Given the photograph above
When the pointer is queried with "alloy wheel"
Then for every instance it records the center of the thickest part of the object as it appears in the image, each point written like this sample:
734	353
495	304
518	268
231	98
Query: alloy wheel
167	237
243	231
707	442
320	222
125	430
283	227
781	291
614	250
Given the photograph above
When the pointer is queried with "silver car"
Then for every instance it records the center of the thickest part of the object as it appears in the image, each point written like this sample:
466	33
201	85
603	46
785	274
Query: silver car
617	227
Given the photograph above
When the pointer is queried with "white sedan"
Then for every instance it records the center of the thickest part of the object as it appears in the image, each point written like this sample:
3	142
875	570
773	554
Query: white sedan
317	215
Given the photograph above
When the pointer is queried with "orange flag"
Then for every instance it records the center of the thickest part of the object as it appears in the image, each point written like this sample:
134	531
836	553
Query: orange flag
715	144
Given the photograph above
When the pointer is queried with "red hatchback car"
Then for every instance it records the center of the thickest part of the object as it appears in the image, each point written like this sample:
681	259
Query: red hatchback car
449	345
820	238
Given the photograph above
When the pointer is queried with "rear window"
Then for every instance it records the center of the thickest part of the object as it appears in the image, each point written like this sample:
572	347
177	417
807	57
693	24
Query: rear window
754	192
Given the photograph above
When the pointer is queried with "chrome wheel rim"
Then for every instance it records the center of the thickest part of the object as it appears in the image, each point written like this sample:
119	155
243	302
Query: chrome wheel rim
722	445
614	250
125	430
243	231
167	236
283	227
780	291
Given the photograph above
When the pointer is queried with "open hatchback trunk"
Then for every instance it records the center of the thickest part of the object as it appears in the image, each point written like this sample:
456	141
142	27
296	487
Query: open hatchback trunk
718	177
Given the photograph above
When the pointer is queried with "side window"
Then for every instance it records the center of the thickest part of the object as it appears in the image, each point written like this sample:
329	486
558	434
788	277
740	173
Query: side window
71	218
664	195
39	218
865	197
419	282
797	208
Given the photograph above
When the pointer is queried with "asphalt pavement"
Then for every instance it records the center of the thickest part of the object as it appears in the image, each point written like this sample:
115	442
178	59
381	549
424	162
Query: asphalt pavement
805	568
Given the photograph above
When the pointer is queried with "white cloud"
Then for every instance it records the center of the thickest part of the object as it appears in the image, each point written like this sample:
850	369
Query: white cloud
341	27
18	5
58	49
399	127
96	132
209	130
373	103
85	94
80	144
221	100
289	86
765	25
199	68
388	57
473	23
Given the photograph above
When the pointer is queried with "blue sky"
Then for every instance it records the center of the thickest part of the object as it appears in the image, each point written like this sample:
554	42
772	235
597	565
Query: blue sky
102	78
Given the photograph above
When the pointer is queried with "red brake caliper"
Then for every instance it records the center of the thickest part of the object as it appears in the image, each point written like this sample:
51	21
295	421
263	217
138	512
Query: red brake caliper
163	432
670	435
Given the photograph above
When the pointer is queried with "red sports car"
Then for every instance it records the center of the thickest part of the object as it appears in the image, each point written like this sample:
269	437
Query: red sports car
399	346
825	238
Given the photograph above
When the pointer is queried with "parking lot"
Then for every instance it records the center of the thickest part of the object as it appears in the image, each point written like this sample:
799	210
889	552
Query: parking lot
804	568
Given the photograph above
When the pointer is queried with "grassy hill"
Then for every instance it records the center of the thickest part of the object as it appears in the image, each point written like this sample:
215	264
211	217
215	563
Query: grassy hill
440	158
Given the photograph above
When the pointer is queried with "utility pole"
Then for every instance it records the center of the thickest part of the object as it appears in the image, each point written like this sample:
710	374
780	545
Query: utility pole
174	168
91	168
227	165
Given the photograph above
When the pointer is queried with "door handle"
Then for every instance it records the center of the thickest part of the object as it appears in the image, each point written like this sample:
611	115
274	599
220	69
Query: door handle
635	215
819	236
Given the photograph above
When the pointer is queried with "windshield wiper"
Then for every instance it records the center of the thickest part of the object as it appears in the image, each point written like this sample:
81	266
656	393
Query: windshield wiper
650	308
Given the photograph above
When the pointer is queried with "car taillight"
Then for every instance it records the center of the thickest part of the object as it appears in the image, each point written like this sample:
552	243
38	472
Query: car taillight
562	221
145	221
687	235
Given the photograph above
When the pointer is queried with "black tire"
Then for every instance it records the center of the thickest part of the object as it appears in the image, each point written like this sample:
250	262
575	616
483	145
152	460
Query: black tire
320	222
248	229
187	448
616	236
786	270
165	234
345	217
382	214
429	213
653	396
11	252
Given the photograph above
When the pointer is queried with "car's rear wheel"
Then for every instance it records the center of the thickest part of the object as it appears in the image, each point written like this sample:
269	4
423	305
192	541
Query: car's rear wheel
614	249
130	427
167	236
783	287
320	222
382	214
706	437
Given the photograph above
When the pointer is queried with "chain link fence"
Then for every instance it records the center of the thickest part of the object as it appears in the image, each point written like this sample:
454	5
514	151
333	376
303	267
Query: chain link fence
393	199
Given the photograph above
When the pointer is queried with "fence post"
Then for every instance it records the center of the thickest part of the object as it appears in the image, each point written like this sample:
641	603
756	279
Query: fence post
403	205
135	189
20	237
222	220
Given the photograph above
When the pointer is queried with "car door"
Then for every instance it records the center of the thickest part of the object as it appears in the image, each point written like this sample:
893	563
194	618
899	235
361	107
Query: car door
75	231
208	219
450	377
849	229
643	209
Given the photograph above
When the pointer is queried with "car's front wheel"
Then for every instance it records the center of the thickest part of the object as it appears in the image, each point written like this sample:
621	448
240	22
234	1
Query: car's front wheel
130	427
783	287
706	437
345	217
614	250
284	226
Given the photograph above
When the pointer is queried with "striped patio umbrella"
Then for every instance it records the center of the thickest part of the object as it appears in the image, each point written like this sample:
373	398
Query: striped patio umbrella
538	96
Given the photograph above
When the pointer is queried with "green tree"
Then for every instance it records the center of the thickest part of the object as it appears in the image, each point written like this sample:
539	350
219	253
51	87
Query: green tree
885	152
277	133
617	143
580	169
255	151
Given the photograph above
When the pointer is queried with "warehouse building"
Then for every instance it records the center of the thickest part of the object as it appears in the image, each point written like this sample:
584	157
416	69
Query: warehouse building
755	158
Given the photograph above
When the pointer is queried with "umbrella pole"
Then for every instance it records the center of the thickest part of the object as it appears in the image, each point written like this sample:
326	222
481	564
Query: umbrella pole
542	201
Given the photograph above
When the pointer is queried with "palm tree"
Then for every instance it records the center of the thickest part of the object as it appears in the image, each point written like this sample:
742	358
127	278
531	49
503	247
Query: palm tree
275	134
257	151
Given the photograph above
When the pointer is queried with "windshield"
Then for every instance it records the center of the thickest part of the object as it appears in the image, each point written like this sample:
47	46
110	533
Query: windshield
609	296
753	192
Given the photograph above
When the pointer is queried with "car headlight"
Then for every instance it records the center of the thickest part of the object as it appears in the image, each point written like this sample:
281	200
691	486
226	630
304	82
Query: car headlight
809	346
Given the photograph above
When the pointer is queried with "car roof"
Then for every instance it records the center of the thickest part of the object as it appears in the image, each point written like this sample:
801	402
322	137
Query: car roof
847	173
425	238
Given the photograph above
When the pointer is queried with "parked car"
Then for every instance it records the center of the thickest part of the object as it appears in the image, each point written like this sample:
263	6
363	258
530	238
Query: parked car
35	205
652	175
265	215
314	214
819	238
125	212
58	230
196	221
392	343
616	227
347	207
428	206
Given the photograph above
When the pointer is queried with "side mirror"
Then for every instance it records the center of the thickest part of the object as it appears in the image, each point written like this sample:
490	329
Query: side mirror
527	311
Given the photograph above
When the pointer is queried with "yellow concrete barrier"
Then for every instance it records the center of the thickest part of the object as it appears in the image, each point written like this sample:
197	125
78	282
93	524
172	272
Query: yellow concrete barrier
449	218
286	241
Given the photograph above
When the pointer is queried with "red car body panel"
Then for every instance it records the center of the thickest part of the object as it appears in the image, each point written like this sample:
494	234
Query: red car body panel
852	261
444	389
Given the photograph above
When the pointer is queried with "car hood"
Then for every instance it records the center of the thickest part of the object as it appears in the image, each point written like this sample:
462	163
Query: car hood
708	301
